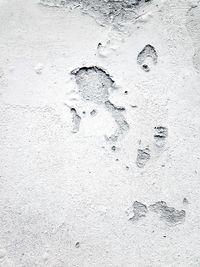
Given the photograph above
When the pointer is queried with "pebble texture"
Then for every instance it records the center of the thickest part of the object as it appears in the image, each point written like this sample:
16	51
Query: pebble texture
99	140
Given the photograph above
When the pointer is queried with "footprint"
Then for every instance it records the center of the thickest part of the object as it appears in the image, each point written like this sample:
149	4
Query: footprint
148	52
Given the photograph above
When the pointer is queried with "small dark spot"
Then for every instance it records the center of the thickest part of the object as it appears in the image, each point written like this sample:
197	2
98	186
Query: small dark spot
113	148
117	160
127	167
164	236
77	245
126	92
146	67
133	106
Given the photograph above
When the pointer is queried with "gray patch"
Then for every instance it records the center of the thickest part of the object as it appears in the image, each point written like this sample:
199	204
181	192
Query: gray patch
104	11
76	119
168	214
137	211
147	52
196	60
93	113
142	157
160	135
193	27
122	124
93	83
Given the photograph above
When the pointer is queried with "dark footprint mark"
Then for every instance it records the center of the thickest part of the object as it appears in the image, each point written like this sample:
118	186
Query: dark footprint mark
142	157
76	119
94	85
160	135
168	214
137	211
147	52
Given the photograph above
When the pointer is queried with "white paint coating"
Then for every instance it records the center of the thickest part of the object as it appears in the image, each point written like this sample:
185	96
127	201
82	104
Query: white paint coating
64	195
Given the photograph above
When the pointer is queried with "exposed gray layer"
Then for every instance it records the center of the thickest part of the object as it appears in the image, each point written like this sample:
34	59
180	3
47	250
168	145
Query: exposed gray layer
193	27
137	211
93	83
168	214
147	52
93	113
76	119
142	157
104	11
160	135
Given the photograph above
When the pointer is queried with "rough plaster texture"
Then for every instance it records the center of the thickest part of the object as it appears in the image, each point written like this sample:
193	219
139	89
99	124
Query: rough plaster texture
99	140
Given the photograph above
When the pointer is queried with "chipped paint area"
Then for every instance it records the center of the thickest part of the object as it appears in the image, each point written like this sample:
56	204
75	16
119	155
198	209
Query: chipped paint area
99	140
116	13
169	215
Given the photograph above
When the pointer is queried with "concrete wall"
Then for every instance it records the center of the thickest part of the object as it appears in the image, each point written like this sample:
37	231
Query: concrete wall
99	139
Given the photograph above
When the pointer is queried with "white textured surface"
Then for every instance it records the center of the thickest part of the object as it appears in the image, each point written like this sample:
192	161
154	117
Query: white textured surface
58	188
